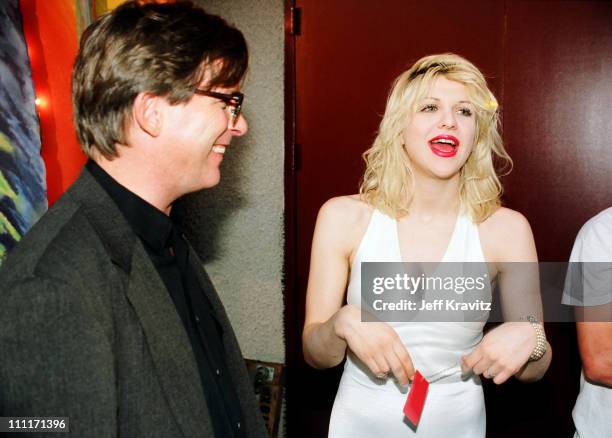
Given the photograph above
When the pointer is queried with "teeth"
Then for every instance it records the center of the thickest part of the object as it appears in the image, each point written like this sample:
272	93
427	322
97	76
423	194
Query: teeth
444	140
218	149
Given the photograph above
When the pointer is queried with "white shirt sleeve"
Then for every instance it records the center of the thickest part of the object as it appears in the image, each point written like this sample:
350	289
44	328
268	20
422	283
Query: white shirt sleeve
589	276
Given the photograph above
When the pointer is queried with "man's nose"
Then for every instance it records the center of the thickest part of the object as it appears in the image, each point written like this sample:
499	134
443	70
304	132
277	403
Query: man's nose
239	126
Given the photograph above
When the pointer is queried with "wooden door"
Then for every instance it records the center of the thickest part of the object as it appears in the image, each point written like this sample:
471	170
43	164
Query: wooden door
550	65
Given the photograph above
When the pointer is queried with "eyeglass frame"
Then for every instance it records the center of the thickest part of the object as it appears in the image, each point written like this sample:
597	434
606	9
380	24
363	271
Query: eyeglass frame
233	100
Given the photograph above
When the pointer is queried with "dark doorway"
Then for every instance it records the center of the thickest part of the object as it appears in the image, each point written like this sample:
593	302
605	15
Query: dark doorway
549	63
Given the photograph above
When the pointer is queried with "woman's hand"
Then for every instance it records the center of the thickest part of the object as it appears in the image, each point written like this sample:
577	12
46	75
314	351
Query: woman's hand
503	351
375	343
508	244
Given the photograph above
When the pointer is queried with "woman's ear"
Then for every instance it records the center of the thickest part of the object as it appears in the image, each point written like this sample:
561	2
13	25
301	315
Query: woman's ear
147	113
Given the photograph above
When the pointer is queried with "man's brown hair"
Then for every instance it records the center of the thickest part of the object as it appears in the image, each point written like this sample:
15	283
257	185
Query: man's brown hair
163	49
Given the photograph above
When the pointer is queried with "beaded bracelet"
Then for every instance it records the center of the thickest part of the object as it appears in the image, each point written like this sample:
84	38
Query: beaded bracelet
540	347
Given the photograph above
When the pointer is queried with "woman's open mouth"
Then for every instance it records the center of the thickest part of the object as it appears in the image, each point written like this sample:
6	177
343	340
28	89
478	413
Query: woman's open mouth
444	146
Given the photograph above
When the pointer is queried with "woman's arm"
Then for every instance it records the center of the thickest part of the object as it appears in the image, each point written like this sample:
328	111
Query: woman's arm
331	326
505	350
329	268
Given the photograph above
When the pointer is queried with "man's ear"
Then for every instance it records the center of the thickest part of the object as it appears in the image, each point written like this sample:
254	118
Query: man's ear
147	112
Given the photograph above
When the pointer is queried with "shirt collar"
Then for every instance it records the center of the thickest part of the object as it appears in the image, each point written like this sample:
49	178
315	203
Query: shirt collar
149	223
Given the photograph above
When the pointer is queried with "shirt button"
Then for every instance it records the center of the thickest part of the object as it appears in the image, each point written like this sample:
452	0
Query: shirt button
238	425
218	374
197	318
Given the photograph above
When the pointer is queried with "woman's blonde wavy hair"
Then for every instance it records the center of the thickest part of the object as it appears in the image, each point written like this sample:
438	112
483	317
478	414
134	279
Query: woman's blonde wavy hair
388	181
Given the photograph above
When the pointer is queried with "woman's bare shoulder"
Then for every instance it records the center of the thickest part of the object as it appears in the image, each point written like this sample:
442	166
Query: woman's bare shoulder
346	218
347	210
505	221
504	217
506	233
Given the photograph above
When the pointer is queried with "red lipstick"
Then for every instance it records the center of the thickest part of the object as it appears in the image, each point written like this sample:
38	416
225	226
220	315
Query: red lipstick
444	146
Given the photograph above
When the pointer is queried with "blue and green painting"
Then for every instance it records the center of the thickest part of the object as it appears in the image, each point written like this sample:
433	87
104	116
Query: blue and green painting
23	196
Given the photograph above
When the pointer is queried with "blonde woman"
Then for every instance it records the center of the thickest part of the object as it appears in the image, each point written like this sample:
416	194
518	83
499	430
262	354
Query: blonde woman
430	193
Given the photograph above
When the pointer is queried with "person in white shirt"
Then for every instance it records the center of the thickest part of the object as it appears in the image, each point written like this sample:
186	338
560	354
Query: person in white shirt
589	287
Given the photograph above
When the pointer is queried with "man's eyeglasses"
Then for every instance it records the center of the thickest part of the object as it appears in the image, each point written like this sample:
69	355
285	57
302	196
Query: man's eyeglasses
233	100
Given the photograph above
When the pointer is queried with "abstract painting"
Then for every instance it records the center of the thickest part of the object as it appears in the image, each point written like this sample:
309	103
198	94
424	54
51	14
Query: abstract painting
22	173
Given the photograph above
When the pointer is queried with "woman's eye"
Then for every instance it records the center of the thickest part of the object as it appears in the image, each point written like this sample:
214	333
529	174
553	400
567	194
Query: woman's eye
429	108
465	112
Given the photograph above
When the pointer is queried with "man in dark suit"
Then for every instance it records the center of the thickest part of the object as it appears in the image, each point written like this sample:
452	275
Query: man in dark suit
107	316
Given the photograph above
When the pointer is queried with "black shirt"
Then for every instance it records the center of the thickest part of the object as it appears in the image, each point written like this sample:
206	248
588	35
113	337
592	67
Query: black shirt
168	250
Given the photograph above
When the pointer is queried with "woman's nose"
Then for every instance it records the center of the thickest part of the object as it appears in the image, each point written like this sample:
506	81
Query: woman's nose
448	120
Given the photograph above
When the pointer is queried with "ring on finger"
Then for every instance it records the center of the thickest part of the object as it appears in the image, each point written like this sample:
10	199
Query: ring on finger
383	375
488	374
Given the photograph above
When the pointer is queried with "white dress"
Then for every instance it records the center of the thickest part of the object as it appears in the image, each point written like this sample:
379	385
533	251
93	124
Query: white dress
370	408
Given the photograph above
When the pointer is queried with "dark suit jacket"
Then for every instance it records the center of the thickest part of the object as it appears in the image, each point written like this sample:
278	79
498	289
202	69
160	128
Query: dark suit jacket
89	331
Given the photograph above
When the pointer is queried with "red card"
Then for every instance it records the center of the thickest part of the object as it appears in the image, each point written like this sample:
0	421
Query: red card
416	398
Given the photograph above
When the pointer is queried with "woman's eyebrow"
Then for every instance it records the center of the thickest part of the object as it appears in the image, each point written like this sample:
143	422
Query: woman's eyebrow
438	100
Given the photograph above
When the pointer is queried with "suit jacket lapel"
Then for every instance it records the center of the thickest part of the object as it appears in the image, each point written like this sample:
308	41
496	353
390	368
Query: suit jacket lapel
168	342
169	345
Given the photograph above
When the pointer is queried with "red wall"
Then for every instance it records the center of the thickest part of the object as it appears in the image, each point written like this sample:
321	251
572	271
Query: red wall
50	32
